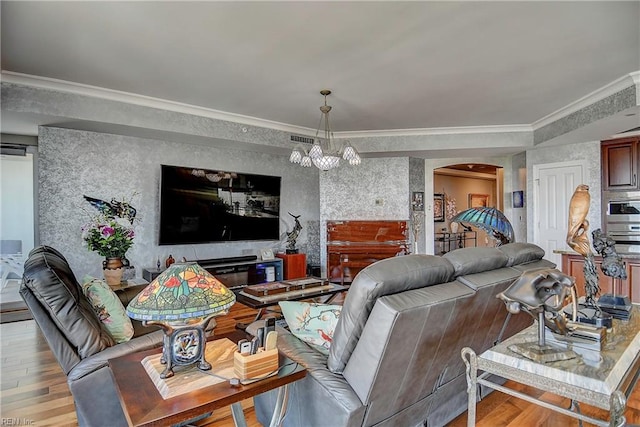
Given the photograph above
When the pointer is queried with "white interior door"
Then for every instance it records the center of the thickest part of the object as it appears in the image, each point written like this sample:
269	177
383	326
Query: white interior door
554	184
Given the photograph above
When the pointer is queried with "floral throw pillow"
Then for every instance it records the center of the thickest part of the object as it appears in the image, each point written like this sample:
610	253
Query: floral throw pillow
109	309
312	323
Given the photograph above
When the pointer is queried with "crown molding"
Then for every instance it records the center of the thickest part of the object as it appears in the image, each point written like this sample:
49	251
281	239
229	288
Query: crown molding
465	174
163	104
436	131
591	98
145	101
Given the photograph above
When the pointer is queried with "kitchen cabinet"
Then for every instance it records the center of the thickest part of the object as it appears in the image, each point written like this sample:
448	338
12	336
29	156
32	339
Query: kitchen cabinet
573	265
620	158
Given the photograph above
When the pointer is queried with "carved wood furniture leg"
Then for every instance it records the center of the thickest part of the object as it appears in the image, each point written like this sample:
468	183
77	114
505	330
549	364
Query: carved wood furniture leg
470	360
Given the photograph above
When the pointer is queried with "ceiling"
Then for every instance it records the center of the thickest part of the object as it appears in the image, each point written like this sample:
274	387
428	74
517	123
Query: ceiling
390	65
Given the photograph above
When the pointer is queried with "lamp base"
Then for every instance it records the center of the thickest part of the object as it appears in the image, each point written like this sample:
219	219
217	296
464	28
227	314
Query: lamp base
183	344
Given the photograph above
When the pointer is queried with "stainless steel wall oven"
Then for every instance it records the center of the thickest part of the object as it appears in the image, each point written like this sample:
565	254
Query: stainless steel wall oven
621	212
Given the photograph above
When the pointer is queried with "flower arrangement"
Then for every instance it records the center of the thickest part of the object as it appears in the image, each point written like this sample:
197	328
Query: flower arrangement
110	237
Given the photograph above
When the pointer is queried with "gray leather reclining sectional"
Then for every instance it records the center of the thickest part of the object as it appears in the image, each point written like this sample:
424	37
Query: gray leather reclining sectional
395	356
78	339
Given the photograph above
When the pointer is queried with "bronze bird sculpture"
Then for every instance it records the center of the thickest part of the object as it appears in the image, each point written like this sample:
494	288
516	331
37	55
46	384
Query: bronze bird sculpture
577	237
578	240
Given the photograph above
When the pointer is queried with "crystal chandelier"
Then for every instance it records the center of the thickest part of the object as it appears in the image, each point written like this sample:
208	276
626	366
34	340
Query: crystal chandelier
324	152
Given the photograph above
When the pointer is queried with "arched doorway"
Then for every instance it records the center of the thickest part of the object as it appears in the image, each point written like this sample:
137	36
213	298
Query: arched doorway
462	186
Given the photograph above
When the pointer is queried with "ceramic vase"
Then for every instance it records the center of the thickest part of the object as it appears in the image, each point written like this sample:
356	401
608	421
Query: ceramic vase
454	227
113	270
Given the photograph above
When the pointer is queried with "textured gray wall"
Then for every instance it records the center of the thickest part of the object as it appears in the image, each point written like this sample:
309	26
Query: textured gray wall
377	189
416	183
74	163
519	182
606	107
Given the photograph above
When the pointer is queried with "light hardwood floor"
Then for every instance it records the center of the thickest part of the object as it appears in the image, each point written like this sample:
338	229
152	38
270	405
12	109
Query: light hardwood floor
34	389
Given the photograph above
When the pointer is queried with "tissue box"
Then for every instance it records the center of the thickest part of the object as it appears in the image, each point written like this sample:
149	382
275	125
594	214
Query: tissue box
255	366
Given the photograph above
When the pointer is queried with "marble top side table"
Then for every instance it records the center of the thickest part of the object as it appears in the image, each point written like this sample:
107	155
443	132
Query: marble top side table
602	379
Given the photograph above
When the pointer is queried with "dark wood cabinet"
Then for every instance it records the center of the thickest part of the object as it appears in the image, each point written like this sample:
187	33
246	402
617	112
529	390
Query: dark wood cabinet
620	158
295	265
573	265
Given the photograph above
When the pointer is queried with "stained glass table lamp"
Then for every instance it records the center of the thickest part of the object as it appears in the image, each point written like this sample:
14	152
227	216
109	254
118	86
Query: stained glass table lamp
182	300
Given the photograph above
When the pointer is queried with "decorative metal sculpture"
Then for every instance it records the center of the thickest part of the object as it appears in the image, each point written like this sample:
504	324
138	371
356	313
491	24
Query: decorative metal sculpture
612	264
542	294
113	209
618	306
489	219
292	235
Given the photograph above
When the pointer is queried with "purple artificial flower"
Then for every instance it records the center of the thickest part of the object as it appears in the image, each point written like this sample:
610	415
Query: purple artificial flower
131	234
107	231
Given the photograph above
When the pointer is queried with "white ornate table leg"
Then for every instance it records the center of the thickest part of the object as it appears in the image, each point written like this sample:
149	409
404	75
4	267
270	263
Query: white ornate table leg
280	409
617	404
472	383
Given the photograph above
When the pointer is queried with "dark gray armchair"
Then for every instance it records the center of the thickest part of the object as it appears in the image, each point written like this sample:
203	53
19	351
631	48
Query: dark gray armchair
78	339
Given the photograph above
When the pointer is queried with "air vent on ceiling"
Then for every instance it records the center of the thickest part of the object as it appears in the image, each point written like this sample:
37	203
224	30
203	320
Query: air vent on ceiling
301	139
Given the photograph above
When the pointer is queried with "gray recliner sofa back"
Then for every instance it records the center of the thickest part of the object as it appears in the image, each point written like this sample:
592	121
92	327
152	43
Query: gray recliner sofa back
406	362
53	295
382	278
395	356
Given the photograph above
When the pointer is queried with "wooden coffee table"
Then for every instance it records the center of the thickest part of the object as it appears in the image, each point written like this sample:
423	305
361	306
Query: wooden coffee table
143	404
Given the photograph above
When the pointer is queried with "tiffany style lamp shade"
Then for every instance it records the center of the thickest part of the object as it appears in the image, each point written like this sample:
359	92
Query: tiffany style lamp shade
182	300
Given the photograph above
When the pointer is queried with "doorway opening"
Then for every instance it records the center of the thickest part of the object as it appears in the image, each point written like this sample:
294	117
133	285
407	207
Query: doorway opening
16	228
460	187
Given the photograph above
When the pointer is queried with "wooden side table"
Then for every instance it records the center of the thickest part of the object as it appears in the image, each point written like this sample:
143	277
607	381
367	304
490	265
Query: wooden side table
295	265
144	405
603	379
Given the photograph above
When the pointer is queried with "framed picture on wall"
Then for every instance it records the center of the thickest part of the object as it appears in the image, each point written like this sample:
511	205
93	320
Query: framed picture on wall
478	200
518	199
417	201
438	207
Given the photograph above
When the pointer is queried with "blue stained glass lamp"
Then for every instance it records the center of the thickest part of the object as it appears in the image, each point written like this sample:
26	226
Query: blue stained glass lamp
490	220
182	300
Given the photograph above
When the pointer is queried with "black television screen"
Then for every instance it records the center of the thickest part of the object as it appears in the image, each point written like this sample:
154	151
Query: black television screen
203	206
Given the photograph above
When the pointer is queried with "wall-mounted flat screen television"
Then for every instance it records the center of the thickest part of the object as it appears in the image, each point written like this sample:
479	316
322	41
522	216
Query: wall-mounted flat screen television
202	206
